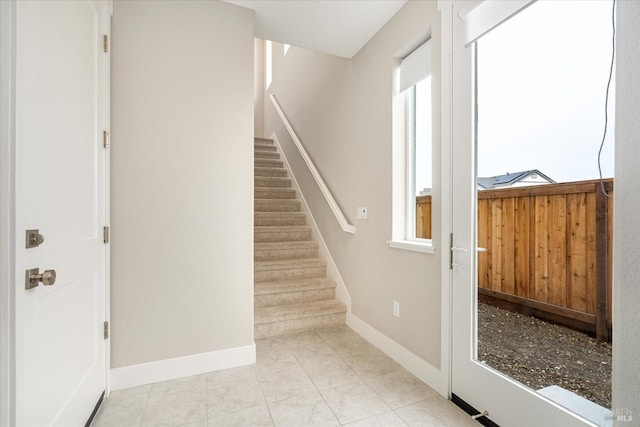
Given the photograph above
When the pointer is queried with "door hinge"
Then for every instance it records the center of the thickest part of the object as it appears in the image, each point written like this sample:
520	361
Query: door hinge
105	234
106	330
450	251
105	139
105	43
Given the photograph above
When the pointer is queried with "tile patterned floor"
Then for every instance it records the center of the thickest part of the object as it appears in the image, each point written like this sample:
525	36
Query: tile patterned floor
331	377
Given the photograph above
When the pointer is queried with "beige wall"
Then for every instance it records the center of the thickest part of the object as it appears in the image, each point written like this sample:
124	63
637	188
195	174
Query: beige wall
258	87
342	112
182	179
626	292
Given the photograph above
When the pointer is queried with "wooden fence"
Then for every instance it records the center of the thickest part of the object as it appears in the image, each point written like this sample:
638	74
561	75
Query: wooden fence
423	217
548	252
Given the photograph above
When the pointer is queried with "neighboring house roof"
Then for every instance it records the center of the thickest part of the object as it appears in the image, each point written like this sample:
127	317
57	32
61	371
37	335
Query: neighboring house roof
509	179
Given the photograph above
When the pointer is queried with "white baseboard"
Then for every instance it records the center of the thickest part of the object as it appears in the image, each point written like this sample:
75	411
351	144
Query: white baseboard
170	369
427	373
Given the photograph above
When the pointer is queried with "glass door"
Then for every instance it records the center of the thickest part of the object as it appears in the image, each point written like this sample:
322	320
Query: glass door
479	383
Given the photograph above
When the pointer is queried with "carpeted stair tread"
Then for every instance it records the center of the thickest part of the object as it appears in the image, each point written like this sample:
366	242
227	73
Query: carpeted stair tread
266	155
279	220
297	311
280	228
285	250
279	214
287	292
288	264
276	205
271	182
262	140
288	269
271	231
268	163
260	147
281	233
274	193
285	245
263	172
280	291
266	288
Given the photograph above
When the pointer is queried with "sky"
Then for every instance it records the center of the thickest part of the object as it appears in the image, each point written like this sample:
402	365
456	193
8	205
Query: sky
542	80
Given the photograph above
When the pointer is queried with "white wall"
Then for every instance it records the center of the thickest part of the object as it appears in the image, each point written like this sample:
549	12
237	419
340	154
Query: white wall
182	179
626	289
342	112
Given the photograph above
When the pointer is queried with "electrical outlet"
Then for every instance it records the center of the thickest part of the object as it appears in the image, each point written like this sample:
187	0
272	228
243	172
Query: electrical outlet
362	212
396	309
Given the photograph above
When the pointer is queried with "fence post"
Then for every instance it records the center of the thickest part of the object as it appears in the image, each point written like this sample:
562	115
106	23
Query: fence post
602	263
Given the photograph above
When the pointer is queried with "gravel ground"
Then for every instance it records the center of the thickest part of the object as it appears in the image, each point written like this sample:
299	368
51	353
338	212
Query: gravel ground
540	354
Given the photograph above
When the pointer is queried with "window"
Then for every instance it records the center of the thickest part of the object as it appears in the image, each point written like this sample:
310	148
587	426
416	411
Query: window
268	63
413	175
419	162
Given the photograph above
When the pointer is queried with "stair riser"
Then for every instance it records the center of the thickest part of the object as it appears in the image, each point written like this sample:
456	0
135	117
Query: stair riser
262	194
264	148
260	155
258	140
294	297
279	221
283	236
266	163
299	325
273	183
277	207
285	254
280	173
289	274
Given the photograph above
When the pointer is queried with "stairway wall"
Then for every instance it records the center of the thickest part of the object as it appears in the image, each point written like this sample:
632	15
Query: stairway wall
182	180
342	111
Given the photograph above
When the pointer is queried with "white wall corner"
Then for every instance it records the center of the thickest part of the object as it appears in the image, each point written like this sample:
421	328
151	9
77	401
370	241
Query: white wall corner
342	293
170	369
435	378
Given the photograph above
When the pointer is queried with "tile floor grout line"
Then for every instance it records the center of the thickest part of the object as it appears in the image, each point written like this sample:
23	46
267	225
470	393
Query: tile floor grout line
318	389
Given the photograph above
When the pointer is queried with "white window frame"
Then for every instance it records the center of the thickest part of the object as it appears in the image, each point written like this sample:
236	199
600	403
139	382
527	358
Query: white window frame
404	210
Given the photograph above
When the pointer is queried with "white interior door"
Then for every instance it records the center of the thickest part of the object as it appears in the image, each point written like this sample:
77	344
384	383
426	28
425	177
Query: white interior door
508	402
61	113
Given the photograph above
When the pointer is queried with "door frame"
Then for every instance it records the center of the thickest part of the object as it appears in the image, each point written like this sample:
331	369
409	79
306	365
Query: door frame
445	9
463	104
7	209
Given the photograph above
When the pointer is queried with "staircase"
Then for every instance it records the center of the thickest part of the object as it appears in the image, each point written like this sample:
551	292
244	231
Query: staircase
291	290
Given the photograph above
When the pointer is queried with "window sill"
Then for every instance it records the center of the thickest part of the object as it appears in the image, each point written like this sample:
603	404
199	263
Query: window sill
413	245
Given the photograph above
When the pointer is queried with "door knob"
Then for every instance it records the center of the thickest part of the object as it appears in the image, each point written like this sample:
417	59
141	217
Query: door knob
33	277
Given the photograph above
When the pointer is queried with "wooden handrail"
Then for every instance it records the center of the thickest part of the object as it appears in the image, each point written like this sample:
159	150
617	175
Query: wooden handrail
344	224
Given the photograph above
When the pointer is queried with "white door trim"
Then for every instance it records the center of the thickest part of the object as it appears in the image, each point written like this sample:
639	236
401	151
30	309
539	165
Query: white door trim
445	8
7	208
107	202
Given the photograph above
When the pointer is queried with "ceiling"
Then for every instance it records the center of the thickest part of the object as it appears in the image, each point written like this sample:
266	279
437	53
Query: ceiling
338	27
